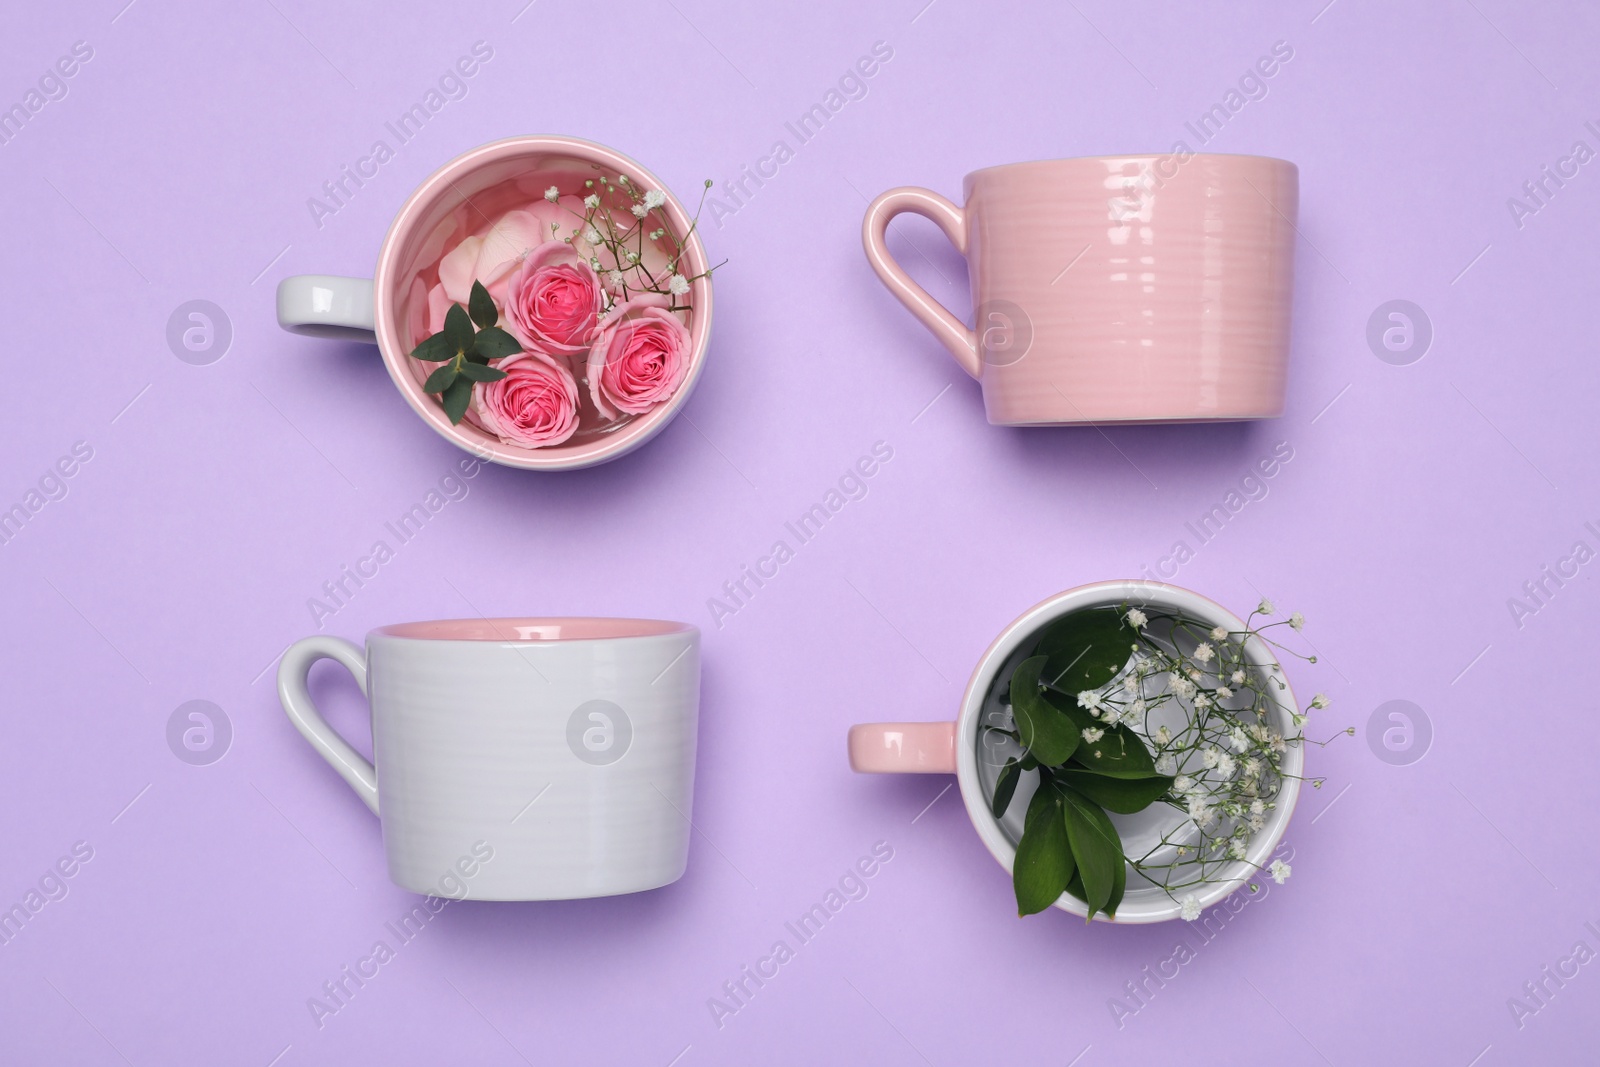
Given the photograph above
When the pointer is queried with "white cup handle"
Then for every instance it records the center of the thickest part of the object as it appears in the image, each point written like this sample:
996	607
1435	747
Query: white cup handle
296	698
326	305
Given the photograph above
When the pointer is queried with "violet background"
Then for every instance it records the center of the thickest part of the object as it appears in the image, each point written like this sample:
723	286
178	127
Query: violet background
219	498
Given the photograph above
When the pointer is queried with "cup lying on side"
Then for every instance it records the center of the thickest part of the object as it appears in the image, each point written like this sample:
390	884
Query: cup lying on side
563	748
957	748
1115	288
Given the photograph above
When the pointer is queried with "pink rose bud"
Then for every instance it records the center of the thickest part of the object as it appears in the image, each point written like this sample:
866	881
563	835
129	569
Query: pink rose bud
553	300
534	405
639	358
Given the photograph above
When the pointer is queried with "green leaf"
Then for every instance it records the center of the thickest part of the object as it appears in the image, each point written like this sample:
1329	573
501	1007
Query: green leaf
481	306
1096	848
456	399
479	373
1121	795
1121	753
1044	860
435	349
440	379
457	330
493	343
1085	649
1047	734
1004	787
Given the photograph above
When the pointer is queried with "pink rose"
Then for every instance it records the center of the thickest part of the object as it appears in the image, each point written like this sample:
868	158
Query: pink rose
553	300
639	358
534	405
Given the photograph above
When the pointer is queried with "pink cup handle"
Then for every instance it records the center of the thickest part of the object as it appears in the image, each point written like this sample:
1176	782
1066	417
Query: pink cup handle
955	335
903	748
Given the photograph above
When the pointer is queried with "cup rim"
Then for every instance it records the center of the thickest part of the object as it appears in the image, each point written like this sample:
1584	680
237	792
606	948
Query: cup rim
1024	626
1118	156
532	630
395	353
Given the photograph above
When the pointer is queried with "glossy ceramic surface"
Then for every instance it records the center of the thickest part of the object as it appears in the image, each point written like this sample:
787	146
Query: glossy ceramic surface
1115	289
554	765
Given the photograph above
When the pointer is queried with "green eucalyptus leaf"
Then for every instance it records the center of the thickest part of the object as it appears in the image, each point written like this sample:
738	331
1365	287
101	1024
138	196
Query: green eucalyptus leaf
440	379
1005	787
1049	736
1085	649
479	373
481	306
457	330
1044	861
435	349
1096	848
1121	795
494	343
456	398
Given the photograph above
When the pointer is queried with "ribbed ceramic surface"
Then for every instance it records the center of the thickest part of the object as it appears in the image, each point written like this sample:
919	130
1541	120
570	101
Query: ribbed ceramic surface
475	747
1135	288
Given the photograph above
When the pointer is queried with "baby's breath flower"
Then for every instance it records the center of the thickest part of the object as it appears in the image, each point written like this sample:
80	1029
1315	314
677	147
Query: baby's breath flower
1297	621
1092	734
1236	848
592	235
1219	633
1089	698
1164	735
1280	871
1223	692
1166	764
1136	618
552	194
633	257
639	211
1189	908
1265	607
1210	755
1182	784
1319	701
1130	682
615	278
1256	807
1238	740
1237	678
1203	652
1201	701
1225	764
1256	822
678	285
591	201
654	198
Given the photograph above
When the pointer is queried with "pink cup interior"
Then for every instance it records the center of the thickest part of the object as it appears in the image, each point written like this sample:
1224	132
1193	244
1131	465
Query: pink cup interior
415	240
532	629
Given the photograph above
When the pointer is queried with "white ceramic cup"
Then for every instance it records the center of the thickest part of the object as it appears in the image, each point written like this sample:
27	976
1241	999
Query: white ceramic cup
519	759
953	748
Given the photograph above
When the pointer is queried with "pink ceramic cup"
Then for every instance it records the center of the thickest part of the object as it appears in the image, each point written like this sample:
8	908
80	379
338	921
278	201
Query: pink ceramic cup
1117	288
379	310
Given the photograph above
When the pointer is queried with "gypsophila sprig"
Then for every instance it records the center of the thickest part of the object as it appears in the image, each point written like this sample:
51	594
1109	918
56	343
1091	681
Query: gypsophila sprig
1084	709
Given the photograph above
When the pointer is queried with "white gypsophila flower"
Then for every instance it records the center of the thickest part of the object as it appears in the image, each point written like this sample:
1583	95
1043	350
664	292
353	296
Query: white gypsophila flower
1265	607
591	201
1193	672
1164	735
1256	807
1136	618
592	235
639	211
1237	678
1182	784
1256	822
654	198
1252	767
1110	714
678	285
1166	765
1201	812
1277	743
1134	711
552	194
1092	734
1203	652
1089	698
1297	621
1226	765
1238	740
1319	701
1219	633
633	257
615	278
1201	701
1259	731
1189	908
1280	871
1236	848
1298	719
1210	755
1223	692
1130	683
